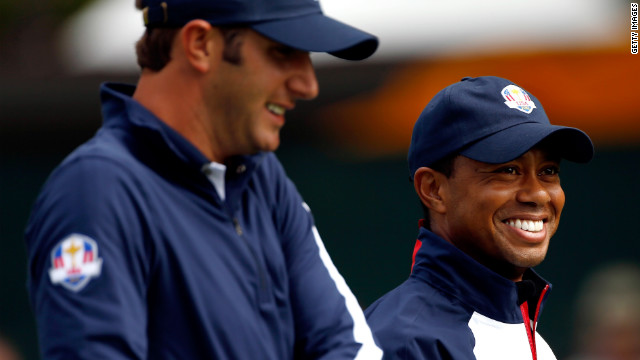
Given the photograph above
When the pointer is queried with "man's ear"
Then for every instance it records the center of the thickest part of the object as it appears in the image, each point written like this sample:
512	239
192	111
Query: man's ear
199	44
429	185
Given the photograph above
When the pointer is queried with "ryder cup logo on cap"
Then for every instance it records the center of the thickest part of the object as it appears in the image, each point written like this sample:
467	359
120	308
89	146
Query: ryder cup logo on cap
516	98
74	261
475	118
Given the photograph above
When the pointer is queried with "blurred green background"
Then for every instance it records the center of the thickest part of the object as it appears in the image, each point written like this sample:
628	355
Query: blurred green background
342	149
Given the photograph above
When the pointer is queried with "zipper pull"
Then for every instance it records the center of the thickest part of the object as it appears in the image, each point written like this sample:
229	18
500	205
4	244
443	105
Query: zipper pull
236	224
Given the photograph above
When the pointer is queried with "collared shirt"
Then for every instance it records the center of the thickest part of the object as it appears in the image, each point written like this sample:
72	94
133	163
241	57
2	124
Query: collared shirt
215	173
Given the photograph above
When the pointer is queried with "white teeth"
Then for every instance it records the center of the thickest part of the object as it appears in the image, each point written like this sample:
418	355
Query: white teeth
276	109
527	225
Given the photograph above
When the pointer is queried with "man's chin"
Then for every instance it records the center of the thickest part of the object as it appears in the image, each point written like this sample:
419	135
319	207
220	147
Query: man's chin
528	260
270	145
268	148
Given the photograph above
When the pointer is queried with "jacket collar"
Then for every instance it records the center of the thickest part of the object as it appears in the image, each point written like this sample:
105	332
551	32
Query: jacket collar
447	268
119	109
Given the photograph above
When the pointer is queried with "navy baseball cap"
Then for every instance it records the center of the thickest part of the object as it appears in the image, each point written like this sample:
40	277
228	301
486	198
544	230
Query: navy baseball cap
299	24
492	120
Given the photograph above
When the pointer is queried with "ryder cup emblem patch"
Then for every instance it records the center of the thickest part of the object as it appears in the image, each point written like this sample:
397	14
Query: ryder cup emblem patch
74	261
518	99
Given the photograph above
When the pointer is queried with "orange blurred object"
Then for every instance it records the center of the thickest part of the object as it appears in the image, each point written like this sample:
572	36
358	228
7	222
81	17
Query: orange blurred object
594	90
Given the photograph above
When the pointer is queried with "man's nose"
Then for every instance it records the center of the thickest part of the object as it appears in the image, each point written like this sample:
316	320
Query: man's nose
303	83
533	191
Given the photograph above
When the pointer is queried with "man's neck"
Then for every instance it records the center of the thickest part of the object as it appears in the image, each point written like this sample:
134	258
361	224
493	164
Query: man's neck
177	102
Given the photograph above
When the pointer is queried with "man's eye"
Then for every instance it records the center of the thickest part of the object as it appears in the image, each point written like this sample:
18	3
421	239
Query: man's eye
285	50
552	170
512	170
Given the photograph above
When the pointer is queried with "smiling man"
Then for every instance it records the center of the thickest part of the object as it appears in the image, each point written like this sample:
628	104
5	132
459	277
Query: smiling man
485	162
174	233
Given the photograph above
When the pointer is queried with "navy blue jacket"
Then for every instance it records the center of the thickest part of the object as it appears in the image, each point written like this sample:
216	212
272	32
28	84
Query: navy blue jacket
452	307
133	255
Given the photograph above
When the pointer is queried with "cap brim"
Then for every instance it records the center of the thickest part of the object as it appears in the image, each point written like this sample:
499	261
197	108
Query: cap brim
509	144
319	33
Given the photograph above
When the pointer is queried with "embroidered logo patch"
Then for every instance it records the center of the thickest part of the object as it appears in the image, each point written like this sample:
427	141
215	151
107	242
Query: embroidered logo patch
74	261
518	99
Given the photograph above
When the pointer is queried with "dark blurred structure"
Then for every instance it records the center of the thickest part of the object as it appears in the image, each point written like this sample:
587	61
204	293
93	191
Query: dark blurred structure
28	31
346	152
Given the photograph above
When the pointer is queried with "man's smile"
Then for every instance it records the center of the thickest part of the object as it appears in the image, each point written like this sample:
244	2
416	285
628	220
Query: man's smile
276	109
526	225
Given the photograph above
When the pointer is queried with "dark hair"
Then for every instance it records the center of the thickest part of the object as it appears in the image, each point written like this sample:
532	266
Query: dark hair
154	47
153	50
232	43
445	167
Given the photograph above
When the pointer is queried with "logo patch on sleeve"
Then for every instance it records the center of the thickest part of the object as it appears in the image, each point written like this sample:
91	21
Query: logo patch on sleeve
518	99
74	261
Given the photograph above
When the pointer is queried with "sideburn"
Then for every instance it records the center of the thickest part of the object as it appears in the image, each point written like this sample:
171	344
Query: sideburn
232	44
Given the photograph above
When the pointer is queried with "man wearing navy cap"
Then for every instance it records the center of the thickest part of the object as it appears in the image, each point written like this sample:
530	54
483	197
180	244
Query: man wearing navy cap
484	161
174	232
